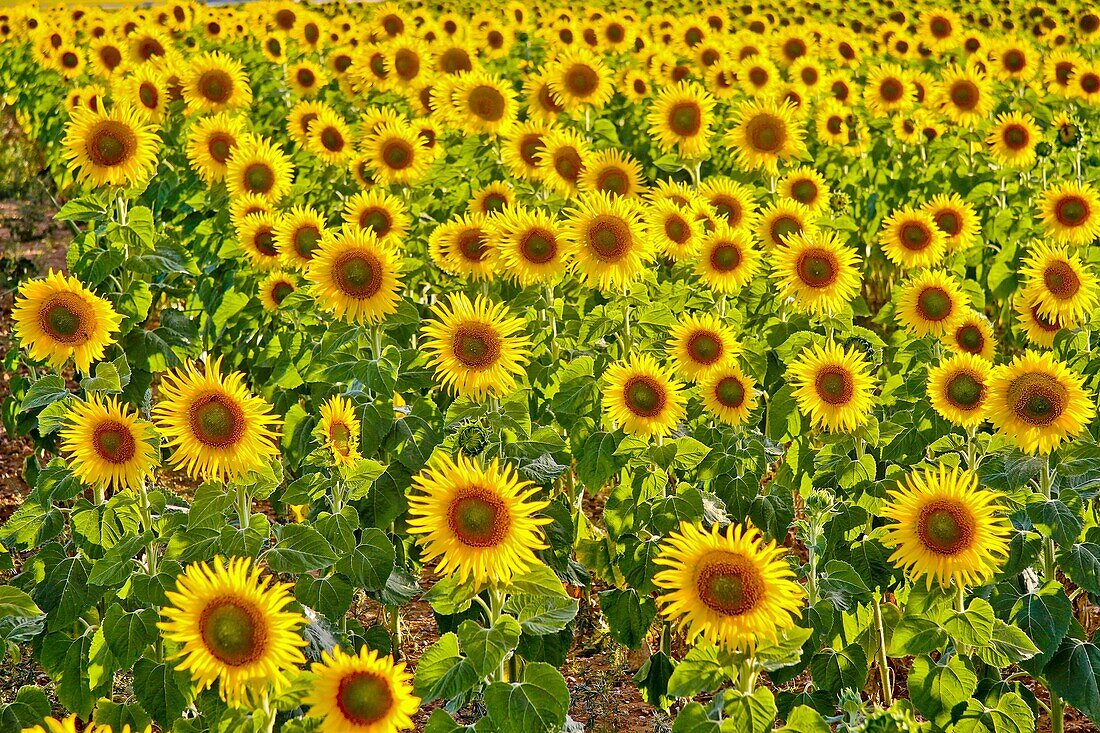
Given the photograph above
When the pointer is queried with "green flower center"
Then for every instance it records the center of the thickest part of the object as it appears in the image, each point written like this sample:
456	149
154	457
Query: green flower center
259	178
476	345
216	420
945	527
358	274
233	632
730	392
644	396
965	391
114	442
479	518
705	347
111	143
216	86
538	246
364	698
934	304
685	119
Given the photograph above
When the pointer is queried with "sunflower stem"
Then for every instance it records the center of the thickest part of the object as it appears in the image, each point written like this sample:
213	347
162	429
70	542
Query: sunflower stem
666	639
1045	483
147	520
1057	712
883	664
552	316
244	508
394	621
626	326
960	598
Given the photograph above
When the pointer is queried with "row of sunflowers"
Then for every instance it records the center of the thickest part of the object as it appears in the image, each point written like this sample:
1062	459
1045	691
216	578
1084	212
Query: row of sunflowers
754	337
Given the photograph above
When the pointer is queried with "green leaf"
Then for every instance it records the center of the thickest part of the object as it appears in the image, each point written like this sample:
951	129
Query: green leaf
940	690
46	390
704	668
1054	519
538	580
804	719
597	461
369	565
1012	715
450	596
537	704
1009	646
331	595
486	649
1044	615
628	615
974	626
835	670
64	594
27	710
106	379
693	719
128	634
442	672
16	603
753	713
300	549
915	635
784	650
1081	563
541	615
161	690
842	585
1074	673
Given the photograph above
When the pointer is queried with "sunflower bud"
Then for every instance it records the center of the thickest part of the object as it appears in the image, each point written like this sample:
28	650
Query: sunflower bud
472	439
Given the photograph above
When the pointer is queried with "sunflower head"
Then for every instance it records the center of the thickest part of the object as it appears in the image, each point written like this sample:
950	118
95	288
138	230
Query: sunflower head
111	148
478	520
946	528
958	389
732	589
833	386
643	397
108	444
355	276
361	692
1037	402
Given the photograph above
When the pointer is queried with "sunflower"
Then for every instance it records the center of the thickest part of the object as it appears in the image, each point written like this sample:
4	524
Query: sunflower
108	58
832	123
521	147
301	117
478	520
781	220
733	589
542	103
274	288
943	28
476	348
356	277
462	246
1013	139
298	234
339	429
888	90
680	119
492	198
214	426
562	159
728	393
363	693
635	85
1039	329
530	245
964	96
146	91
113	148
765	133
57	318
108	445
53	725
732	201
214	82
408	63
973	334
578	78
606	240
234	629
818	271
726	259
305	78
758	76
257	166
397	154
1085	83
643	397
244	206
807	187
833	386
256	236
484	103
672	230
330	138
1060	283
946	528
613	172
1071	213
69	61
958	388
1011	60
1038	402
956	218
911	239
378	212
699	344
931	302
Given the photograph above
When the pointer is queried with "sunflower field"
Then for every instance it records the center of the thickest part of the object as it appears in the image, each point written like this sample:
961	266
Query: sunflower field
403	356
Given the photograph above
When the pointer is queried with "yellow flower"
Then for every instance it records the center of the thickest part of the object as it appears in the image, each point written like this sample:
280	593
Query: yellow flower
479	521
211	142
361	693
356	277
214	82
911	239
58	319
111	148
973	334
579	78
339	429
214	426
1059	283
700	343
946	528
931	303
606	239
1038	402
833	387
476	347
727	259
256	166
819	272
1013	139
233	628
274	288
642	397
1071	213
529	244
765	134
108	445
728	393
733	589
377	211
680	118
958	389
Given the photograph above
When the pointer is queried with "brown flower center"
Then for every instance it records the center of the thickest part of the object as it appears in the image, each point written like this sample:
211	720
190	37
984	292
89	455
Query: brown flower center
729	583
358	274
486	103
110	143
215	85
1061	280
817	268
945	527
766	133
476	345
685	118
730	392
364	698
1037	399
834	385
1071	210
644	396
934	304
66	318
965	390
233	631
478	518
538	246
725	257
114	442
216	419
609	237
705	347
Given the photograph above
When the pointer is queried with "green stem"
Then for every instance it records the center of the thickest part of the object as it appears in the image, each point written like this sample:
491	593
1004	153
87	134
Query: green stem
244	508
626	326
883	665
147	521
1057	713
666	639
394	619
1046	481
746	674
